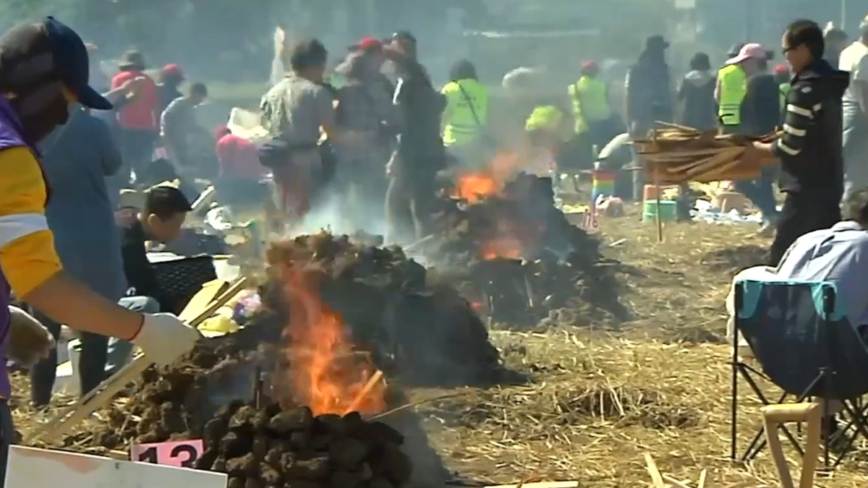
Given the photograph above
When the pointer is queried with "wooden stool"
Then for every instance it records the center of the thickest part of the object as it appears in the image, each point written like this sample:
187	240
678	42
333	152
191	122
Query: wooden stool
729	200
776	415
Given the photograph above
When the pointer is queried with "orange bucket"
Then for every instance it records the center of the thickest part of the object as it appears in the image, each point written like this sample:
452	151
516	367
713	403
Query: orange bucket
650	191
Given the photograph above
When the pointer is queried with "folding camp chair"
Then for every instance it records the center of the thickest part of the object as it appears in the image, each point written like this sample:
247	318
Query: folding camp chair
802	339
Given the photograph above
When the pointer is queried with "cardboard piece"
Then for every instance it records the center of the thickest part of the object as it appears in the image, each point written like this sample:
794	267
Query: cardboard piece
39	468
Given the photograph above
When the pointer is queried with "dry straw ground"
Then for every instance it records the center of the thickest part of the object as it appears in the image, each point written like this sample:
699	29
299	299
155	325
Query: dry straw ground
602	397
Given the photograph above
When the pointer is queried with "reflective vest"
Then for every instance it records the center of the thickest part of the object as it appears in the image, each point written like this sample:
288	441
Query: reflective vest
589	102
467	111
733	87
784	88
544	118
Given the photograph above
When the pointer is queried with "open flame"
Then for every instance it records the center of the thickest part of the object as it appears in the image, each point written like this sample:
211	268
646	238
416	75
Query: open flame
474	187
505	243
324	371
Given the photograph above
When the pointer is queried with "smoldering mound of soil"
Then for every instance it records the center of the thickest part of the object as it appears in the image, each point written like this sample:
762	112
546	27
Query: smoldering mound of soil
521	261
210	396
424	334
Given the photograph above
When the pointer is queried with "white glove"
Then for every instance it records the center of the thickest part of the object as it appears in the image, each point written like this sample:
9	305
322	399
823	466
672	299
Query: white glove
164	338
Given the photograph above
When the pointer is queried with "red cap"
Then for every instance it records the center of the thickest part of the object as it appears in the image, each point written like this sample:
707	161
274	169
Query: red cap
369	44
173	70
589	66
782	69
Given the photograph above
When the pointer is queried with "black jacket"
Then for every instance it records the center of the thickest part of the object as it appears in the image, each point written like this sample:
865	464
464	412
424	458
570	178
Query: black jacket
761	105
810	149
140	274
420	107
649	97
696	94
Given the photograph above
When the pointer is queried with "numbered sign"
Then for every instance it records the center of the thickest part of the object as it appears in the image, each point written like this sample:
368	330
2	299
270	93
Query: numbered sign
182	454
39	468
591	223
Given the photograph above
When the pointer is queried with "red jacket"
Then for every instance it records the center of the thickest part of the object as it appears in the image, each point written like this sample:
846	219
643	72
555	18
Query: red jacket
239	158
144	112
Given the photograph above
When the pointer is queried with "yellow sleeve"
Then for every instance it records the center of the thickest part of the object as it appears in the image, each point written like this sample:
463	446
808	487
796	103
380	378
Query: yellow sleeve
27	254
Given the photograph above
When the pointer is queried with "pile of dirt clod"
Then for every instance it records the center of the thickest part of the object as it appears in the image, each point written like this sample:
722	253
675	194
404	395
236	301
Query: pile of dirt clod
515	255
211	395
424	334
274	447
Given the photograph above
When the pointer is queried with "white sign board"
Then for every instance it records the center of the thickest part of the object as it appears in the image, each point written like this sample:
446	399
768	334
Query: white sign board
39	468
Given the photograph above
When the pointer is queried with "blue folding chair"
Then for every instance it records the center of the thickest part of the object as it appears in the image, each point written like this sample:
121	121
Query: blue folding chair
802	339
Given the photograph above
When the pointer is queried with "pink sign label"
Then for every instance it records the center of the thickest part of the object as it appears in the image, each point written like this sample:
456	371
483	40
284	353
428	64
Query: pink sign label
181	454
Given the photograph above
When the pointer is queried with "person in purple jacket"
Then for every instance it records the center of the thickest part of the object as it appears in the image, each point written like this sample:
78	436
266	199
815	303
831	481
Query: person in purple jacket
43	69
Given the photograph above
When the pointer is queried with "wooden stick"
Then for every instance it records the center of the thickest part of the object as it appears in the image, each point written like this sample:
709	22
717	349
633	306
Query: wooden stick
105	391
656	478
702	477
414	245
372	381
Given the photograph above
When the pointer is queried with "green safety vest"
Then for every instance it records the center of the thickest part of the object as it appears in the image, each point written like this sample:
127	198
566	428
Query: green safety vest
590	103
733	87
784	88
467	109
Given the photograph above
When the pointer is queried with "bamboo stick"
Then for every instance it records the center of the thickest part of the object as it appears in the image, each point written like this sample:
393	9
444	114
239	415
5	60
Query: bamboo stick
105	391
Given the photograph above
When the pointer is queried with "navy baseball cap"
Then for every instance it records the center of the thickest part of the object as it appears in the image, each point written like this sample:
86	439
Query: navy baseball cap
46	52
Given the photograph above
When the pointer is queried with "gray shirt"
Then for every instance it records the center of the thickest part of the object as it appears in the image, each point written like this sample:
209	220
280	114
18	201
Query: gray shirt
840	255
77	158
294	110
178	121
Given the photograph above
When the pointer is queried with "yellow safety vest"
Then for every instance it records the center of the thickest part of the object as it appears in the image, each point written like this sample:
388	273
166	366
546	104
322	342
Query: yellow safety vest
589	102
467	109
784	88
733	87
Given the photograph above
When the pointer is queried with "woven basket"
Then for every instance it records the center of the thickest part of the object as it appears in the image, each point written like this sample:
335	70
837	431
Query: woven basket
182	278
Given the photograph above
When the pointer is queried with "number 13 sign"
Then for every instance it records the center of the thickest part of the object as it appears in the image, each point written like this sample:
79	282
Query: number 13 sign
181	454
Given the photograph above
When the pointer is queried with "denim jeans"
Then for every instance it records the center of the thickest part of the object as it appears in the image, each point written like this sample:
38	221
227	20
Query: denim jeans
762	194
119	351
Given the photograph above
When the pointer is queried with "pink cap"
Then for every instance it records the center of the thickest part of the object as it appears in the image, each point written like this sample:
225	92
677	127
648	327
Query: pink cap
749	51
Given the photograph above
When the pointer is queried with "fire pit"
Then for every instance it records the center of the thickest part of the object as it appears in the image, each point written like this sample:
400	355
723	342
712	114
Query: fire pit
513	253
299	397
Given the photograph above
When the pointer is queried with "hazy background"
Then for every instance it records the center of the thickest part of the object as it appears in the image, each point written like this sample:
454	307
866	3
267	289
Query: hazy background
228	43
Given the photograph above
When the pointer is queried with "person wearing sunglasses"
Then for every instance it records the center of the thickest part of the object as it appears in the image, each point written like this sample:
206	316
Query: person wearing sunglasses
810	146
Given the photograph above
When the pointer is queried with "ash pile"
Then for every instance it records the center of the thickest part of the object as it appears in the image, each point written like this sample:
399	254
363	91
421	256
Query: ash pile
514	254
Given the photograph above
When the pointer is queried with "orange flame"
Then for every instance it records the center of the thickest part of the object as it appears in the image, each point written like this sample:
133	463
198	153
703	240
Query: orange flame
505	243
474	187
502	247
324	374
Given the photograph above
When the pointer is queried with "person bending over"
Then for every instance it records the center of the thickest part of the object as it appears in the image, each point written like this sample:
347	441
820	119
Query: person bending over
160	220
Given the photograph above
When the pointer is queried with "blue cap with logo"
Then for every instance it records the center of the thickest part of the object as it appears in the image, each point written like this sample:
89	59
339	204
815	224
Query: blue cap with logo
44	52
